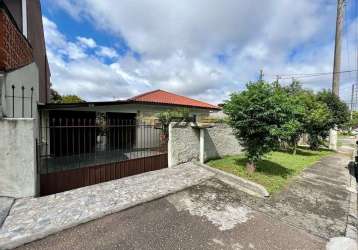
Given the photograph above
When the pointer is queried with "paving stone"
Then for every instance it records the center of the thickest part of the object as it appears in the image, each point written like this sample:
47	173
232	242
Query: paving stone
34	218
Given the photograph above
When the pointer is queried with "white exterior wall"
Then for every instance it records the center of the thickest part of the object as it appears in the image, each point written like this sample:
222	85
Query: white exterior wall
28	77
18	158
147	137
146	114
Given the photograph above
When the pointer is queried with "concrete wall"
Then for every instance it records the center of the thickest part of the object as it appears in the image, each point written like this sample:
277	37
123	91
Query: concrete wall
218	141
183	145
188	142
28	77
18	158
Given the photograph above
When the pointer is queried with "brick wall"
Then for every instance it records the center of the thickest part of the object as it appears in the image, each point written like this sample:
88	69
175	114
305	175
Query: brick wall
15	51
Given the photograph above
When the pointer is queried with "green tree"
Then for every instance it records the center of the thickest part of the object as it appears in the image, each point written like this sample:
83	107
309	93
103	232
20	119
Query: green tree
168	116
318	119
353	123
55	97
292	114
340	114
71	99
255	115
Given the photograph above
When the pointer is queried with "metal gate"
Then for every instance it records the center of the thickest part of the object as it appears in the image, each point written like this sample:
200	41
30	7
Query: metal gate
78	149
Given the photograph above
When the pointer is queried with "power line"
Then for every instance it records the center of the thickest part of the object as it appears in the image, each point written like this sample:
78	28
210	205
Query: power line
305	75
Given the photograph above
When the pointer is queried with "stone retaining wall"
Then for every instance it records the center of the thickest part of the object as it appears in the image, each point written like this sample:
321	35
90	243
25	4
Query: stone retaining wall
183	144
190	142
218	141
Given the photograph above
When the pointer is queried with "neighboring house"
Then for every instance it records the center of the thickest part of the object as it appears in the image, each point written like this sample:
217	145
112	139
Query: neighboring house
144	107
139	112
106	140
24	71
220	114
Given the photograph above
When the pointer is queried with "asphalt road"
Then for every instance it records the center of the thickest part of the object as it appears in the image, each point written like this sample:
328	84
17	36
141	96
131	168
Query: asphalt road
211	215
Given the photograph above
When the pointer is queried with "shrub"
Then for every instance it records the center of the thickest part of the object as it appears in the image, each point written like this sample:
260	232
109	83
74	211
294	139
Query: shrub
254	114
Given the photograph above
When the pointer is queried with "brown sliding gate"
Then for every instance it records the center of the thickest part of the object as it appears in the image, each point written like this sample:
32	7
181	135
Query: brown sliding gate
78	149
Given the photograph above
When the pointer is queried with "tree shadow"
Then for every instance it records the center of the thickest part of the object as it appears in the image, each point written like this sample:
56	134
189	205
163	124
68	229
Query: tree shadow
301	150
267	167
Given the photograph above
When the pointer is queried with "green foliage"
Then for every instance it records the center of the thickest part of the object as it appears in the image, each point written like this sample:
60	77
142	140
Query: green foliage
265	116
71	99
168	116
318	123
255	115
55	97
338	109
317	119
293	111
354	121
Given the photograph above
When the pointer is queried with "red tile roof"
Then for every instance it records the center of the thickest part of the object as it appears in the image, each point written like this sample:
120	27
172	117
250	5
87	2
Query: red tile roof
164	97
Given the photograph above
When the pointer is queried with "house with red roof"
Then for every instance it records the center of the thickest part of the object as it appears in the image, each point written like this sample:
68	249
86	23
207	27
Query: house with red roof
107	140
144	107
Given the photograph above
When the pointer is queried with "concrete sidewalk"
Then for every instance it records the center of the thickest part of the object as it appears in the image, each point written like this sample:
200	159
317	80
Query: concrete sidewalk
35	218
317	200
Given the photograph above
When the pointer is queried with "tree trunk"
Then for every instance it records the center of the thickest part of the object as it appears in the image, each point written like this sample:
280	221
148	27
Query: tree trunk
250	167
294	149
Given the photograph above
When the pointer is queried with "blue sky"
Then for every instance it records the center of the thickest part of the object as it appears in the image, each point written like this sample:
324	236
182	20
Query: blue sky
105	50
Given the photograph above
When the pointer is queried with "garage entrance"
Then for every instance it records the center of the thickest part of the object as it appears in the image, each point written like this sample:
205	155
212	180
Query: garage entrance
78	149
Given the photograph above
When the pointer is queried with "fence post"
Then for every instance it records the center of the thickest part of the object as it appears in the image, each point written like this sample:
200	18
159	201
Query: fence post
23	101
31	100
202	145
13	100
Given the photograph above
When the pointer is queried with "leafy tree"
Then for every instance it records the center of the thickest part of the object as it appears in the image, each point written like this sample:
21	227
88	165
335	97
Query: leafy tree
292	114
340	114
254	115
55	97
71	99
353	123
318	119
168	116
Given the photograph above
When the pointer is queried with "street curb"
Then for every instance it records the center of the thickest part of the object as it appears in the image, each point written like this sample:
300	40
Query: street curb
351	230
40	235
246	186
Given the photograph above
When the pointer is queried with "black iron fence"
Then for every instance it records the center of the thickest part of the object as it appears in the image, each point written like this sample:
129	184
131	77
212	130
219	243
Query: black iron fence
72	143
22	100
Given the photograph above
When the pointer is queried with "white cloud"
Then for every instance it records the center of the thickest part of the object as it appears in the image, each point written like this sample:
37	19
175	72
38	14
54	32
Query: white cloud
179	42
74	70
106	52
87	42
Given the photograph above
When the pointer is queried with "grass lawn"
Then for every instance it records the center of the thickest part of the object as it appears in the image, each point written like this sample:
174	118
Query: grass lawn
275	170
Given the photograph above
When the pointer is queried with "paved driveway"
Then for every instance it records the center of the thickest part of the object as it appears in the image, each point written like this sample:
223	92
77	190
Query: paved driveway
213	215
210	215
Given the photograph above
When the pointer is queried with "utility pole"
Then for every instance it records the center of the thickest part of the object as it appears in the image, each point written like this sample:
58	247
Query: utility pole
261	77
352	100
277	78
338	47
337	64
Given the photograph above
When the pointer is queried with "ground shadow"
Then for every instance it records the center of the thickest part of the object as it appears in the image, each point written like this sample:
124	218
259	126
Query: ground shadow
303	151
267	167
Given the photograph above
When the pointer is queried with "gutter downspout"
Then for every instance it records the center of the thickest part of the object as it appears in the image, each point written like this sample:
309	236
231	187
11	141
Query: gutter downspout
24	17
2	79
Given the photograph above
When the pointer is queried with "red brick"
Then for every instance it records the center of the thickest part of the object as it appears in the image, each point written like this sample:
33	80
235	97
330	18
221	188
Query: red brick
15	51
